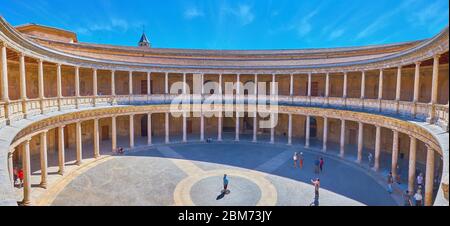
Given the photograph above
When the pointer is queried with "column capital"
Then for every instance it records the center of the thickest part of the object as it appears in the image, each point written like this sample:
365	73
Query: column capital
437	55
400	66
3	44
40	60
21	54
417	63
94	69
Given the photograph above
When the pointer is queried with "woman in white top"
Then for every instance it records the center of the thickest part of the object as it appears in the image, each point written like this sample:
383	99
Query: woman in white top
418	197
295	157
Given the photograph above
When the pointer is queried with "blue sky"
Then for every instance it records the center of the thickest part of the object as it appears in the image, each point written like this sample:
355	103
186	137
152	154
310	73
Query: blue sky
237	24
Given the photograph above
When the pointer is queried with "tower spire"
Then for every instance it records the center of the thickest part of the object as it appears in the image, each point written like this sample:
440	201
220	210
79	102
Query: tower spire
143	42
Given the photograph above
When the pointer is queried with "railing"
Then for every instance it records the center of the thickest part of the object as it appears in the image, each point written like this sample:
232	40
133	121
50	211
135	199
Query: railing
14	110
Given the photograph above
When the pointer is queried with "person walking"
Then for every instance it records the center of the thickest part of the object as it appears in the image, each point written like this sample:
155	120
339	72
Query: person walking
418	197
370	157
390	181
295	158
300	160
20	175
316	166
420	180
321	164
316	184
407	199
225	183
15	175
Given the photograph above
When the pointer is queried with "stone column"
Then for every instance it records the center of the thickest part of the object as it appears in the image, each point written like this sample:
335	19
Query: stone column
394	154
434	89
130	83
238	84
61	150
291	85
41	83
360	141
184	127
167	128
272	129
11	167
79	143
376	166
77	86
363	85
26	173
43	155
308	118
23	80
237	126
429	177
4	73
113	82
272	90
412	164
290	129
325	134
166	83
220	84
342	143
96	139
416	82
256	85
202	127
149	129
327	85
184	84
94	86
309	84
399	83
131	123
344	95
113	133
59	85
380	85
149	84
255	127
416	87
435	78
219	127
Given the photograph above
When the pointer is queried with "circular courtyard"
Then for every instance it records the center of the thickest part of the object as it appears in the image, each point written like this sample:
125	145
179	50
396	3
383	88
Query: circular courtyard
191	174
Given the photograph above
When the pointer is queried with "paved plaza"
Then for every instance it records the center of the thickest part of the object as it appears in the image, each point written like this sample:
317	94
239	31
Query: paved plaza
191	174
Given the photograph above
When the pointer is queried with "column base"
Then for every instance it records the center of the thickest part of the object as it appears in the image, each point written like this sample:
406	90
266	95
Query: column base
26	203
61	172
78	163
43	185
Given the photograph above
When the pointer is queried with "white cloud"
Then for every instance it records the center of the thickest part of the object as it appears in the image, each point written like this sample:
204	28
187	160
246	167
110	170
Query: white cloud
113	24
305	26
243	13
192	12
336	34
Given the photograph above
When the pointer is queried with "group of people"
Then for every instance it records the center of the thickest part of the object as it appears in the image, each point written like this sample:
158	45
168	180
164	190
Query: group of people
410	198
299	160
18	177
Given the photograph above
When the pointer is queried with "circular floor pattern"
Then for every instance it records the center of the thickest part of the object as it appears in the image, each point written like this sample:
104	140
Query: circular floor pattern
191	174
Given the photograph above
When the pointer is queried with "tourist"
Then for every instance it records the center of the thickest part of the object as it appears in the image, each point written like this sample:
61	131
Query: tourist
225	183
121	151
300	160
420	180
20	175
15	175
321	164
390	181
407	199
316	184
399	173
317	166
370	157
418	197
295	158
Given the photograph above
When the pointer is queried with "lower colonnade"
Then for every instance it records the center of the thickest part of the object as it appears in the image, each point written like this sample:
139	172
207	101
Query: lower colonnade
404	141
